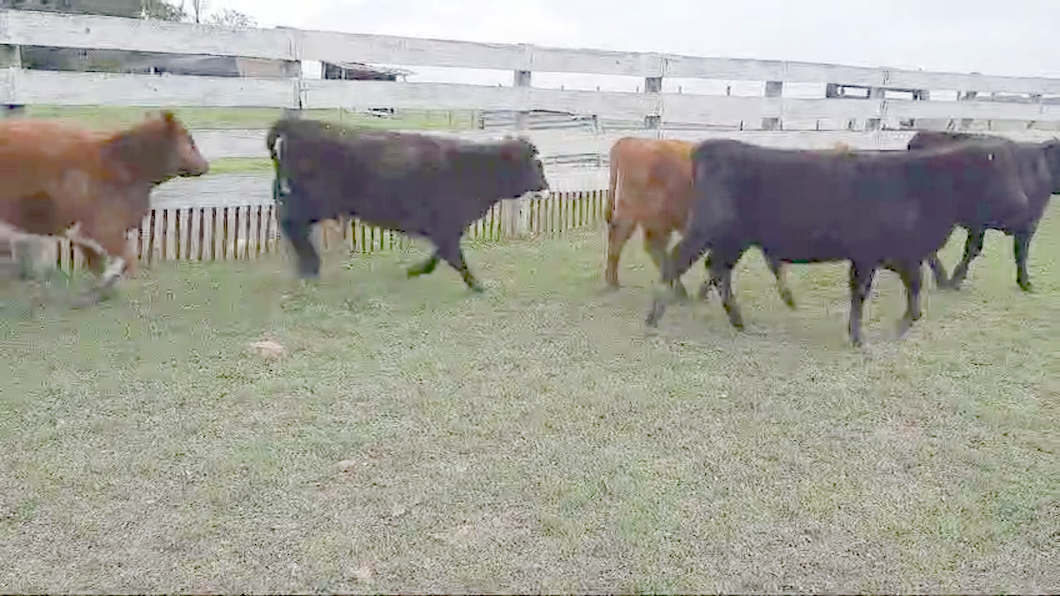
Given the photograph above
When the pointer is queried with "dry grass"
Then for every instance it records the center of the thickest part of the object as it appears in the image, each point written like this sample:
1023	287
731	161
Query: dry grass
532	439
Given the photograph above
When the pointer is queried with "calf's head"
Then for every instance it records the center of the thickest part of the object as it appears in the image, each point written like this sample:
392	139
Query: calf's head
1051	150
526	173
185	158
157	149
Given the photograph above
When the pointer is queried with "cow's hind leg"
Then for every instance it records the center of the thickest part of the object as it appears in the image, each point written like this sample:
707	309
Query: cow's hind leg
973	246
861	276
297	232
1021	246
721	270
704	290
938	271
912	277
424	267
33	253
618	233
95	260
452	253
684	253
780	272
111	242
655	244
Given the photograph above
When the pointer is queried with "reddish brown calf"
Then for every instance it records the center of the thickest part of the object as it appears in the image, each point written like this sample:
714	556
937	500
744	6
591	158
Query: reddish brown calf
62	179
650	186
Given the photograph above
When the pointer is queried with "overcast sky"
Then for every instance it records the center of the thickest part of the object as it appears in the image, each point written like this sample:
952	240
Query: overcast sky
1013	37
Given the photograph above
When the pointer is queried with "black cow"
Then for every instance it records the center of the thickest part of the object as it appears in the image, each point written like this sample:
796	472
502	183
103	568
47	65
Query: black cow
417	184
876	209
1039	165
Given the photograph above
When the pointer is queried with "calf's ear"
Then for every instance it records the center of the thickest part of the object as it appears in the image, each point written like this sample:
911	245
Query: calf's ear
168	118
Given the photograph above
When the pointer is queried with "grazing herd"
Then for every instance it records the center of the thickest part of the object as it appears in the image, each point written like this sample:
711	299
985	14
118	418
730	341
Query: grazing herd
876	209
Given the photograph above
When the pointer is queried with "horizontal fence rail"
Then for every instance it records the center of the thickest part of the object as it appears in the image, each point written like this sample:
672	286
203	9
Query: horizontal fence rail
556	146
19	86
32	28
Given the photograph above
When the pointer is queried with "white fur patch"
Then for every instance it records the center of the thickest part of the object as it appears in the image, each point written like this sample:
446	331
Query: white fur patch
113	270
75	236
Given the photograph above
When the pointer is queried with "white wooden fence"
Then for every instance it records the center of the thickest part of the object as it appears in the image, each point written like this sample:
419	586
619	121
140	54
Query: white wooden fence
896	100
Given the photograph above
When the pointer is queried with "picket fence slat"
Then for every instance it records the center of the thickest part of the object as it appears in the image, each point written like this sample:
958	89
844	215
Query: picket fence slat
247	232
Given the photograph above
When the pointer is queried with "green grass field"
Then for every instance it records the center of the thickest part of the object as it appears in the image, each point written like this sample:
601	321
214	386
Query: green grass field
534	438
251	118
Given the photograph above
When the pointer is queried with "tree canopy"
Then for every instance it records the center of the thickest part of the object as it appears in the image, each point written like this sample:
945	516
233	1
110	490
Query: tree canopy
161	10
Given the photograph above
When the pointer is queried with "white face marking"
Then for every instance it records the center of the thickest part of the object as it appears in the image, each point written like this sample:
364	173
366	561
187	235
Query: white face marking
990	156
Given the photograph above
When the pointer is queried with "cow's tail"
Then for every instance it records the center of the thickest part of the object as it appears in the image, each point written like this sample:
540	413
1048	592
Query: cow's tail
612	188
277	130
276	134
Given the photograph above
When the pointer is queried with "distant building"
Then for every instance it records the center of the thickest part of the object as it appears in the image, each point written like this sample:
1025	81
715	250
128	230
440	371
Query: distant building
359	71
85	60
113	8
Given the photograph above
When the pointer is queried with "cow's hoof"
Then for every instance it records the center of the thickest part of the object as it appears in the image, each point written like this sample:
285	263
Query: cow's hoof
87	299
788	298
658	307
1027	287
681	294
477	288
903	329
704	291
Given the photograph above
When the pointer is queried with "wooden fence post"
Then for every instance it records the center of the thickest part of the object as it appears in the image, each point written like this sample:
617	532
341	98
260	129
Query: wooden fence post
773	89
1037	99
918	95
875	94
966	123
653	85
513	223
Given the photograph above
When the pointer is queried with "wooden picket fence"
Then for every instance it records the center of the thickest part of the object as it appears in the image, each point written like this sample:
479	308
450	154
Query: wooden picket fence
245	232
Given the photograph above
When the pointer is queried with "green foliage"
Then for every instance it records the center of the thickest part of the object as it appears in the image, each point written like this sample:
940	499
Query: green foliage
160	10
233	19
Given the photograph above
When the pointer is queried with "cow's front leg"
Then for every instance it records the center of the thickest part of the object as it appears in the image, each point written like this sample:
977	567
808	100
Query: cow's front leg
297	232
1021	246
105	239
655	245
450	251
